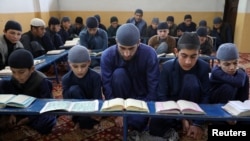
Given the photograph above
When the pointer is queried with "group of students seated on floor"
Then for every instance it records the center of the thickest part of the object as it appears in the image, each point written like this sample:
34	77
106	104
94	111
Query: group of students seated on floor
95	36
130	69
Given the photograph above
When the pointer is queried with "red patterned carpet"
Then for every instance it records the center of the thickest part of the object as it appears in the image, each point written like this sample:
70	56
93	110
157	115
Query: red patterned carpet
64	130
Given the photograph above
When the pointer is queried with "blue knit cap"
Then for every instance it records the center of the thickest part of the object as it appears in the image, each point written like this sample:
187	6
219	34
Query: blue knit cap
21	58
127	34
227	51
78	54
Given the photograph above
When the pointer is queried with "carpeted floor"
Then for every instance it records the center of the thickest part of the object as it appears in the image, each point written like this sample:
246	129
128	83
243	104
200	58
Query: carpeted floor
64	130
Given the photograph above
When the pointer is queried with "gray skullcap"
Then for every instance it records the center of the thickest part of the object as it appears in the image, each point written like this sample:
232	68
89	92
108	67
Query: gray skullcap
92	22
78	54
162	25
128	34
189	40
37	22
12	25
21	58
227	51
202	31
155	20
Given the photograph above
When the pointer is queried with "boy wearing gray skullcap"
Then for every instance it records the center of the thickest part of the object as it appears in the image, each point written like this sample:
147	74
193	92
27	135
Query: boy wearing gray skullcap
130	69
81	82
184	77
162	42
9	41
26	80
228	80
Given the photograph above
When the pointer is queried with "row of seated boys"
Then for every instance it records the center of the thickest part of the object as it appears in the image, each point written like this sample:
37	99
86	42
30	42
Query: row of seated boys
130	69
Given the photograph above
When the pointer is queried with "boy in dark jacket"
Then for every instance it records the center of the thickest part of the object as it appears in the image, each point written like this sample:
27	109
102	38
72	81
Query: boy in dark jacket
228	81
26	80
81	82
185	77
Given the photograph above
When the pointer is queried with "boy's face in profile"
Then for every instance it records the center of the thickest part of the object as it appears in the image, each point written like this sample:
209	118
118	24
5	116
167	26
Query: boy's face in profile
229	67
80	69
22	74
187	58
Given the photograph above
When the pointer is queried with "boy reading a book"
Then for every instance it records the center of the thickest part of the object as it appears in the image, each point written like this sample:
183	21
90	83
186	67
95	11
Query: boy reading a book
130	69
184	77
228	81
26	80
81	82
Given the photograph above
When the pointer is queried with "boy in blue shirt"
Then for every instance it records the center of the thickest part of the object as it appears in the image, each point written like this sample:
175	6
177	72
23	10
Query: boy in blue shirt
130	69
81	82
228	81
185	77
26	80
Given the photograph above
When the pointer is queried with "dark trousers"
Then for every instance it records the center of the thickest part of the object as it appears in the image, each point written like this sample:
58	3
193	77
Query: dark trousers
190	90
85	122
222	93
122	87
42	123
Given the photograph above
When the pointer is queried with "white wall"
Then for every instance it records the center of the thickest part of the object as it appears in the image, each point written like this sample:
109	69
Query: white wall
146	5
244	6
16	6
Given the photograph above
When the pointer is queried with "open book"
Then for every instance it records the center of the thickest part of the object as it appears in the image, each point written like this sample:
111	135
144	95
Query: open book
120	104
57	51
38	61
96	53
6	71
71	106
20	100
166	55
238	108
179	107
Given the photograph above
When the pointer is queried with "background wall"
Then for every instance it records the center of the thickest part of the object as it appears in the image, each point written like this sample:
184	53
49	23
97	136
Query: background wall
24	11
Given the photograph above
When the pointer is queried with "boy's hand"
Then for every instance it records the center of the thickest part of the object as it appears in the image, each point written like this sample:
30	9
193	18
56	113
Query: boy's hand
119	121
12	121
195	132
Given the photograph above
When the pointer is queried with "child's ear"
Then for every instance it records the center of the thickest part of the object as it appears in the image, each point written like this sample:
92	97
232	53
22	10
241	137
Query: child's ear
176	52
32	69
